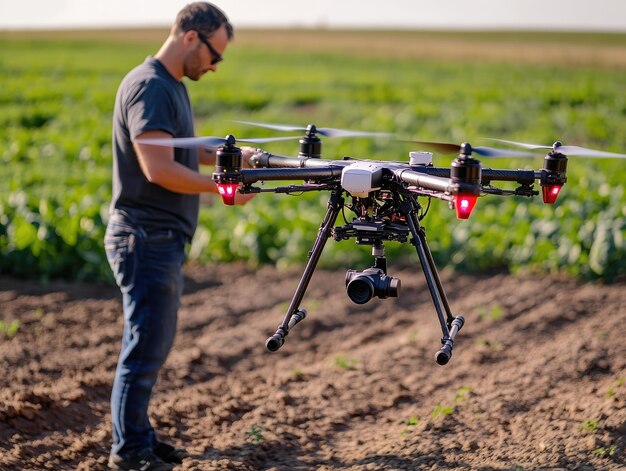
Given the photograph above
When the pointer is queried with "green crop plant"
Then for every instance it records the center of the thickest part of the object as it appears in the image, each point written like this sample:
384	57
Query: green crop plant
255	433
611	392
590	425
605	451
441	410
345	363
10	329
494	312
462	394
412	421
57	95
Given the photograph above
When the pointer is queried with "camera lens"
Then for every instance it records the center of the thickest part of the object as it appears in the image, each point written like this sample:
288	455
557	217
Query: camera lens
360	290
363	286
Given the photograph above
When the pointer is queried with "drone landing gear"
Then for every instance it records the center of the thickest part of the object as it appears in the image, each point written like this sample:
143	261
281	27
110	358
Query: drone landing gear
450	325
294	313
389	287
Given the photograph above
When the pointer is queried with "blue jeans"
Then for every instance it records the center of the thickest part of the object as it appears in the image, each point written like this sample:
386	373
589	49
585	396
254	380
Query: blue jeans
147	266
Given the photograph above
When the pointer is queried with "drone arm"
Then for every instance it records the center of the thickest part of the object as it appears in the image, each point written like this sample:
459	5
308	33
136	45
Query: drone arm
436	183
266	160
249	176
524	177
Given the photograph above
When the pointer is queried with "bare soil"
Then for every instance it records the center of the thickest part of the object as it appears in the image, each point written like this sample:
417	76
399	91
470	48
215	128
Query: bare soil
537	380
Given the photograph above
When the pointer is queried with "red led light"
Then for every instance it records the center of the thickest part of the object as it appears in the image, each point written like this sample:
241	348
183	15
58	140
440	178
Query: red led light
464	204
228	191
550	193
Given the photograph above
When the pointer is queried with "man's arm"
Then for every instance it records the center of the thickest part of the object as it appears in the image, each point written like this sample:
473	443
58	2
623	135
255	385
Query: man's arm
160	168
206	155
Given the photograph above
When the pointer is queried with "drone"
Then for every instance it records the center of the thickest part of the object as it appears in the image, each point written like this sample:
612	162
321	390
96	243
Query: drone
384	200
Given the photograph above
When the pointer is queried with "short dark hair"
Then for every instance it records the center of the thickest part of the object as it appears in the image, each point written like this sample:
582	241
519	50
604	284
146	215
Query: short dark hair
203	17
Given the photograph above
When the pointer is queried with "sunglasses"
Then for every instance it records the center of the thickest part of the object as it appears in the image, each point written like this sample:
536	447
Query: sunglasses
217	57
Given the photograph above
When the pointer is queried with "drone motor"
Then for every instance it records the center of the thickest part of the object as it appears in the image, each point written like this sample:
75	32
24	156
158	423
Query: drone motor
554	174
310	144
465	169
228	159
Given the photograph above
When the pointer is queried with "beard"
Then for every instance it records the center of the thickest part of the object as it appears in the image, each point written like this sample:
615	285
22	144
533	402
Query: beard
192	66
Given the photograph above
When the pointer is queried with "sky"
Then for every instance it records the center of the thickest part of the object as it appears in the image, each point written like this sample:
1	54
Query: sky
576	15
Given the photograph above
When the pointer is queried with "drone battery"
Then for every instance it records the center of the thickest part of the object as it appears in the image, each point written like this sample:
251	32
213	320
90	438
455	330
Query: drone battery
361	178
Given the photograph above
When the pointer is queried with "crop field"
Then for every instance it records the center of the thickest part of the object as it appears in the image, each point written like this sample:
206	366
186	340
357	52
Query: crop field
537	378
57	91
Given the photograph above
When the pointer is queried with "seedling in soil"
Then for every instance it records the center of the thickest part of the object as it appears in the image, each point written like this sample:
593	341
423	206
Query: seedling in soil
590	425
462	393
346	363
605	451
611	393
255	433
441	410
412	421
10	329
493	313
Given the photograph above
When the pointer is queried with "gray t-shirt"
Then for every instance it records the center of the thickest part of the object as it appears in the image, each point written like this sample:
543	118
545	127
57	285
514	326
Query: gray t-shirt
148	99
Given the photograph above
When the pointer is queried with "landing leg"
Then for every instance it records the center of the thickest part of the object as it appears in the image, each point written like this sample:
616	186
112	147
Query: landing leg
294	313
450	325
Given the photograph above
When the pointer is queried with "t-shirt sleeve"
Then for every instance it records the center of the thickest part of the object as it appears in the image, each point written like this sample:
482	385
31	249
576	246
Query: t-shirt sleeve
150	109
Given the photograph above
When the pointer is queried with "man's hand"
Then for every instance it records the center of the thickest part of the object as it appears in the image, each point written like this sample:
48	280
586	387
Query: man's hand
241	199
246	153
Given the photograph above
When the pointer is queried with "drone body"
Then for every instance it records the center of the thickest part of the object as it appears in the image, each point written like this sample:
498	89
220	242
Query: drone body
384	198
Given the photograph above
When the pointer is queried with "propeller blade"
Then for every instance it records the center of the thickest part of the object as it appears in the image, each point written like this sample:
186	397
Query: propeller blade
582	151
208	141
437	146
568	150
184	142
332	132
328	132
484	151
493	152
522	144
277	127
263	140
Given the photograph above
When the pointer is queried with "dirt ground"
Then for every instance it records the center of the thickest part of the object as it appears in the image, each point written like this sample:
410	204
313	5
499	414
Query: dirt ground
537	380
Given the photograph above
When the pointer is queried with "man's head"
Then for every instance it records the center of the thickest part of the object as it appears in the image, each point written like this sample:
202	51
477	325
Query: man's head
203	17
204	31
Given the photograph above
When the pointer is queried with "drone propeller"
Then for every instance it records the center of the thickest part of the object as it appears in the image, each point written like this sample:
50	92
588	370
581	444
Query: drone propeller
484	151
208	141
566	150
327	132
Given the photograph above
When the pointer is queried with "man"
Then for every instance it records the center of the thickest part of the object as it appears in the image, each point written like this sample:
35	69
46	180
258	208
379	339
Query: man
154	214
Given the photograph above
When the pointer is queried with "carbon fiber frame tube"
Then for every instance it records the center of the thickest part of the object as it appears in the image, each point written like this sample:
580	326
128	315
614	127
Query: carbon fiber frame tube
423	180
488	174
266	174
